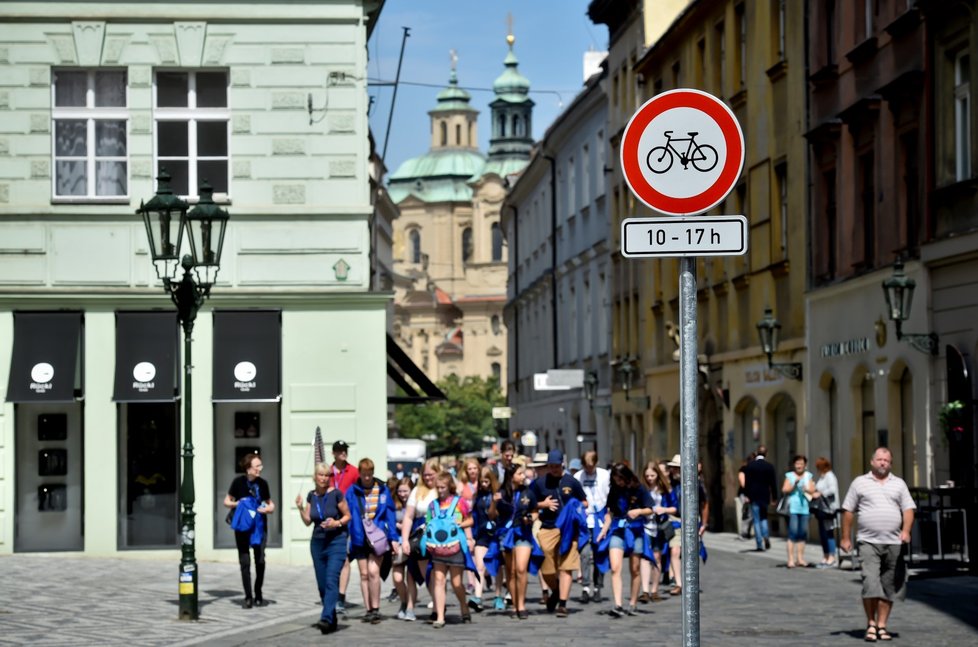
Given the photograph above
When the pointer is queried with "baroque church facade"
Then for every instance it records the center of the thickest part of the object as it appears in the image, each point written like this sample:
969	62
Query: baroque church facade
449	253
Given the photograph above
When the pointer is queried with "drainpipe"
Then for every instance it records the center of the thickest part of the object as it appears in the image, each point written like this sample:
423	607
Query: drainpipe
516	296
553	255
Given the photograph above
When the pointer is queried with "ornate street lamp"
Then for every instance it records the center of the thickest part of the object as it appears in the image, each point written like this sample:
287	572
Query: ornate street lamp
590	385
628	367
769	330
898	291
167	219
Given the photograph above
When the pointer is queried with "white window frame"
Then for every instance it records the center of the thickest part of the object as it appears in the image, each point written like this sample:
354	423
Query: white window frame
90	114
962	118
192	115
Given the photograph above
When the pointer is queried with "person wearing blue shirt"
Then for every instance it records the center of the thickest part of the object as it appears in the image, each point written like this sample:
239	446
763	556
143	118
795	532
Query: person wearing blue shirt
799	485
326	510
553	490
629	503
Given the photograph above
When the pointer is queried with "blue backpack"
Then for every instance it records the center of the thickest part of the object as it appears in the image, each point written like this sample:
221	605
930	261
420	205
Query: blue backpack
442	536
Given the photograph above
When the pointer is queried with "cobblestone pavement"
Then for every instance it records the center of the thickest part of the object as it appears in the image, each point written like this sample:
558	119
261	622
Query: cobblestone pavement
747	598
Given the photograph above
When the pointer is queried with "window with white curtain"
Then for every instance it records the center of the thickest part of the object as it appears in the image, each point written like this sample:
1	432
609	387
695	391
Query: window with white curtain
192	122
90	144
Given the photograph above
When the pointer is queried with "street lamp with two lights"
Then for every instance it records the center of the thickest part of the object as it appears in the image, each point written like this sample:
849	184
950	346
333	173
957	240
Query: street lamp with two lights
168	219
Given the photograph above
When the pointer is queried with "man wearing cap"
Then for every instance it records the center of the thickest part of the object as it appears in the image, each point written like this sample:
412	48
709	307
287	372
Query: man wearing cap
760	488
555	489
343	476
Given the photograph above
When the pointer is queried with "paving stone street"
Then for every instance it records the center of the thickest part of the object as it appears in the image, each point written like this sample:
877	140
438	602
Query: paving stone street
747	598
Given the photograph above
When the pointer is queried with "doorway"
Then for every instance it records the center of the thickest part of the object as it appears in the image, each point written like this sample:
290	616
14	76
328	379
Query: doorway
149	475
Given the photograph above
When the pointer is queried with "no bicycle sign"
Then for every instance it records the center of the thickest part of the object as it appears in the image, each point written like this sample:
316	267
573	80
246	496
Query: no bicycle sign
682	152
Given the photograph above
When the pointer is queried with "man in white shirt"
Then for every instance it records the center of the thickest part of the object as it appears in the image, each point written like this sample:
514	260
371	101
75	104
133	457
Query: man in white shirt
596	482
886	512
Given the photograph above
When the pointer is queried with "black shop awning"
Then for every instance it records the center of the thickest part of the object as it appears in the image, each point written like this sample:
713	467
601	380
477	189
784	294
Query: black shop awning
247	356
46	361
400	367
146	356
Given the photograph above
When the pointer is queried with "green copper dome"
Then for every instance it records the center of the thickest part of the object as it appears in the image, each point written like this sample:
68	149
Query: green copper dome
511	85
439	175
453	98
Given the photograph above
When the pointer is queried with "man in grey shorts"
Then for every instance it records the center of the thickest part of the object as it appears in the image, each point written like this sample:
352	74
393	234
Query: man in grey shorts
886	512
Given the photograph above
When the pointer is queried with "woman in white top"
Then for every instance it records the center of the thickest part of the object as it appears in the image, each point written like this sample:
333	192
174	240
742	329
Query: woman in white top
827	487
413	525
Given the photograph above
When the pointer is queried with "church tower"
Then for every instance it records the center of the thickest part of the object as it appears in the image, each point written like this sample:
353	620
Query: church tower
512	115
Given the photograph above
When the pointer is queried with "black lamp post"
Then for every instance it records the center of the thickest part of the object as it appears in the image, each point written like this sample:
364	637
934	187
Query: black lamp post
898	291
590	385
769	330
167	218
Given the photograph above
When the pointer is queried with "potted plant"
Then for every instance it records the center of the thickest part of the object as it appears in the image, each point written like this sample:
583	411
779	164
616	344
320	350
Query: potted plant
952	419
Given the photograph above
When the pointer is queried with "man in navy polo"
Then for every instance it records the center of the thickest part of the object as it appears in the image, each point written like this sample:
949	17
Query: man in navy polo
554	489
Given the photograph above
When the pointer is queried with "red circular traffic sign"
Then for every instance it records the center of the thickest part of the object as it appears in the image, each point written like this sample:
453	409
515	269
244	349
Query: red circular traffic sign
682	152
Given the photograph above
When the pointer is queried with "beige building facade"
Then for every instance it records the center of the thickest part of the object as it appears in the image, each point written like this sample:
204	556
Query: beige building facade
449	250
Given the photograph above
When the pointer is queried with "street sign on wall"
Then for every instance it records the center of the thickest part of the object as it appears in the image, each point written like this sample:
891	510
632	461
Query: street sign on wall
682	152
700	236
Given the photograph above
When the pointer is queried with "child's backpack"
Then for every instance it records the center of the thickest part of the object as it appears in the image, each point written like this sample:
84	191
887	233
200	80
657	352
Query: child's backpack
442	536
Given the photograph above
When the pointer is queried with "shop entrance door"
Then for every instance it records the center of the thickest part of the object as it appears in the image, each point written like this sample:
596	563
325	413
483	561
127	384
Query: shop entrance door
49	483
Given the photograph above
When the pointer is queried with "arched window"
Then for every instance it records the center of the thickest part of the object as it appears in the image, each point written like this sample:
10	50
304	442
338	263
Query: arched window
502	126
517	126
415	237
466	244
444	134
497	242
458	135
472	135
495	325
497	372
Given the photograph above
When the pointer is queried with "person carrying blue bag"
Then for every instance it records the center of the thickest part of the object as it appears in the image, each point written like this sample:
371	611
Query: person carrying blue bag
517	513
250	498
629	503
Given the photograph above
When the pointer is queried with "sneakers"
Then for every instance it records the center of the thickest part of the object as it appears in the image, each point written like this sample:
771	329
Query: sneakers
393	595
767	544
248	603
585	595
632	610
500	604
597	596
475	604
409	616
561	611
616	612
341	608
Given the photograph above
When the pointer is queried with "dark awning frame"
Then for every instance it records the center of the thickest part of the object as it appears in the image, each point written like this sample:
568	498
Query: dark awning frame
146	356
398	359
45	365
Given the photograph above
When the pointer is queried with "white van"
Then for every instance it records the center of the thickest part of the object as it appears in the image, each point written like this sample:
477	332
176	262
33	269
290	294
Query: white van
404	454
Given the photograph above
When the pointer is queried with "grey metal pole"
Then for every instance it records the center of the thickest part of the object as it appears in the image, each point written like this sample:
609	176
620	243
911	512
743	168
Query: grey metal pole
688	351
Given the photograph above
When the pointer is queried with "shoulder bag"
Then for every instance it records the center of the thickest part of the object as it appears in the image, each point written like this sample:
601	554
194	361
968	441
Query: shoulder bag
376	537
784	506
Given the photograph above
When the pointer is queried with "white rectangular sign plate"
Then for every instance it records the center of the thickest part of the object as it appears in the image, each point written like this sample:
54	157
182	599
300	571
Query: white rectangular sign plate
684	236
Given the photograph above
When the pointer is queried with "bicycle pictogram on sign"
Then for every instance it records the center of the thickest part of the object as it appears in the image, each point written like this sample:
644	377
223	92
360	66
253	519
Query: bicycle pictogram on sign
703	157
682	152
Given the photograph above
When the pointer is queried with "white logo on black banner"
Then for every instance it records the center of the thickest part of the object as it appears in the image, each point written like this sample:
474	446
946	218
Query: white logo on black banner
143	373
41	375
244	376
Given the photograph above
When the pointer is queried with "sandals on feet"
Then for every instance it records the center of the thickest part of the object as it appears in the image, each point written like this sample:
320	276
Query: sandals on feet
883	634
871	635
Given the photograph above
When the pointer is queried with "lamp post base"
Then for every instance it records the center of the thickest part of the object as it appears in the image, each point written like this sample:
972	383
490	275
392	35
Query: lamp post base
188	591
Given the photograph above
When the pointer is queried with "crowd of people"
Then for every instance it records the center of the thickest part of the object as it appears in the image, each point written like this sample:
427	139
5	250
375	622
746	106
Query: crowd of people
485	530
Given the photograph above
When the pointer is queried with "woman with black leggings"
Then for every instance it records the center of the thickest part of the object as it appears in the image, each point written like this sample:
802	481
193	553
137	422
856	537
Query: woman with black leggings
251	486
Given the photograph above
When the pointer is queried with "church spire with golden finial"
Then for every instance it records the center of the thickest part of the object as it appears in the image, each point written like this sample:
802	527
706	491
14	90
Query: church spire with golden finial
510	38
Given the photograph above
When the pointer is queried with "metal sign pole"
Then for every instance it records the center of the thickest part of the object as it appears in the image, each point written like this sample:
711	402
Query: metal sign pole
688	375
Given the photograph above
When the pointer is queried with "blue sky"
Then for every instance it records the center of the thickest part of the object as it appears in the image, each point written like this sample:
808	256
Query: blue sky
551	38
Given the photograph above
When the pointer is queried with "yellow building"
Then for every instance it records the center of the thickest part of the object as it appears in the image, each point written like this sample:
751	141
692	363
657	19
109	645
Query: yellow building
751	55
